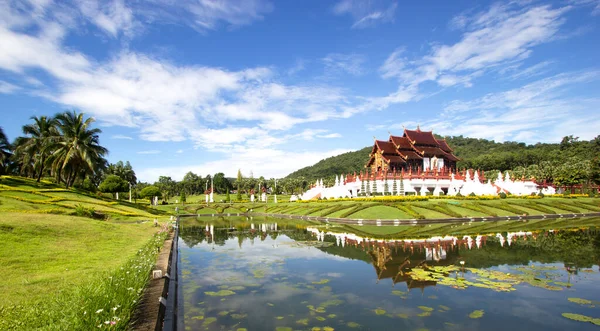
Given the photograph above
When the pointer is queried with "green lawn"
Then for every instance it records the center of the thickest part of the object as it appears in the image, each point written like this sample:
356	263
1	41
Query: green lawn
44	254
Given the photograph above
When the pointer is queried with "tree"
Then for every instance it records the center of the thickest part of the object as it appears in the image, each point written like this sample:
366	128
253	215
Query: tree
34	148
221	183
76	148
150	192
386	186
166	186
401	190
182	197
394	187
239	182
124	171
113	184
5	151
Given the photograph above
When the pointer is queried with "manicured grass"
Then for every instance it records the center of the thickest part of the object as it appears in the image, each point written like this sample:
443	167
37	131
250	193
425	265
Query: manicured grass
44	254
383	212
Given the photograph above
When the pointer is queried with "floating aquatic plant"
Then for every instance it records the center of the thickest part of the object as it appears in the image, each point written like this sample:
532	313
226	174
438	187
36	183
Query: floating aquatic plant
425	308
353	325
379	311
582	301
321	282
476	314
424	314
221	293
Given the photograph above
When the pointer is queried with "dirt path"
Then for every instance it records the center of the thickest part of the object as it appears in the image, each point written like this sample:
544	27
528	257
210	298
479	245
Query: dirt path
146	314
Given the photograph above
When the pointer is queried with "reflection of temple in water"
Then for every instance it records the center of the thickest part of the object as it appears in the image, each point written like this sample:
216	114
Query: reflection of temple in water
393	258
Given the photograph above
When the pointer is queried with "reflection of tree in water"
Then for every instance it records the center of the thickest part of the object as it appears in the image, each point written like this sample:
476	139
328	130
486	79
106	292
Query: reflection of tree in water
195	234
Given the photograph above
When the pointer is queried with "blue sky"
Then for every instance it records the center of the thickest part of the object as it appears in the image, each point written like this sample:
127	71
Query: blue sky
273	86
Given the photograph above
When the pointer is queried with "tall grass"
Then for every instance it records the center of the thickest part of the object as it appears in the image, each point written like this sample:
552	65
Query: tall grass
104	303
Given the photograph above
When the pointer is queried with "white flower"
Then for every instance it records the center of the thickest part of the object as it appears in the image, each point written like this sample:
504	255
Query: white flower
114	308
462	262
99	311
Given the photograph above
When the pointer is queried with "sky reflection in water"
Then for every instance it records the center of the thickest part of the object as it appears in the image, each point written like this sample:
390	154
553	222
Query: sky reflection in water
300	276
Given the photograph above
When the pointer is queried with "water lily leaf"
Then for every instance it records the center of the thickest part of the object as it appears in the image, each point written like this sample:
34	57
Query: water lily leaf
476	314
209	320
442	307
303	321
334	302
578	317
331	316
238	316
220	293
279	317
321	282
353	325
425	308
270	304
198	317
320	310
237	288
402	315
379	311
258	273
223	313
283	328
581	301
424	314
328	328
320	318
242	329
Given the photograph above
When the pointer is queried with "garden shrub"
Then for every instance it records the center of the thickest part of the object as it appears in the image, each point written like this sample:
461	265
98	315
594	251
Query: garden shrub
502	195
472	194
541	195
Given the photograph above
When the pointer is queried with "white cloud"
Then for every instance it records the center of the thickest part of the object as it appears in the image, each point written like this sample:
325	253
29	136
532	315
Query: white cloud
505	32
110	16
205	15
532	71
299	66
330	135
8	88
267	162
366	13
539	111
336	63
179	151
121	136
149	152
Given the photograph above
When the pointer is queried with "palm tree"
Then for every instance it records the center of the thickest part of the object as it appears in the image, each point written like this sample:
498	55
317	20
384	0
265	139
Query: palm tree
5	151
76	150
33	150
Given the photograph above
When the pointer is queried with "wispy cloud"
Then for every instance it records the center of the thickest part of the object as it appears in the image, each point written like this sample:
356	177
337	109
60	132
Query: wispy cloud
330	135
366	13
531	71
280	163
299	66
121	136
539	111
503	33
8	88
336	63
149	152
179	151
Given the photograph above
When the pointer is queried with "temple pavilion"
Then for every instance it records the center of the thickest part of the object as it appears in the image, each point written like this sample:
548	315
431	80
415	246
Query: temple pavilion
415	150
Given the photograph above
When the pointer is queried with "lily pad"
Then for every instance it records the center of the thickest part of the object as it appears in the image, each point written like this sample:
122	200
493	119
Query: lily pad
402	315
353	325
320	318
379	311
221	293
321	282
581	301
283	328
476	314
303	321
578	317
209	320
331	316
279	317
425	308
445	308
238	316
424	314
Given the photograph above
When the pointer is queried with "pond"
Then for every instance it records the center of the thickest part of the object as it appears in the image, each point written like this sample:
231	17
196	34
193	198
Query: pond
280	274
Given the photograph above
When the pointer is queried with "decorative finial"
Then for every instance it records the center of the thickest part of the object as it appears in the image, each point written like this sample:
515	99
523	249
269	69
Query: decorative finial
418	128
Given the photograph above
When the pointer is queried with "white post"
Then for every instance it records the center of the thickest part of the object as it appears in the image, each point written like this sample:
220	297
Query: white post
212	189
275	198
129	192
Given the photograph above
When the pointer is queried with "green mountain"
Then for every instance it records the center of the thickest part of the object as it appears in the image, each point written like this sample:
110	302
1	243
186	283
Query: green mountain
486	155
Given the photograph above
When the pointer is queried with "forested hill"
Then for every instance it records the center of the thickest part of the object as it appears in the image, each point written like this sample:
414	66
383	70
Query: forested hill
475	154
341	164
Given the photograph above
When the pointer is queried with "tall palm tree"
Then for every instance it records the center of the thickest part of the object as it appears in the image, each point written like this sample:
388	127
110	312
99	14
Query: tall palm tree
5	151
34	148
76	150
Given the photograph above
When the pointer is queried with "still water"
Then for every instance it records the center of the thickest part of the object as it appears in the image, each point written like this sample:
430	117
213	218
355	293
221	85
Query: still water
275	274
